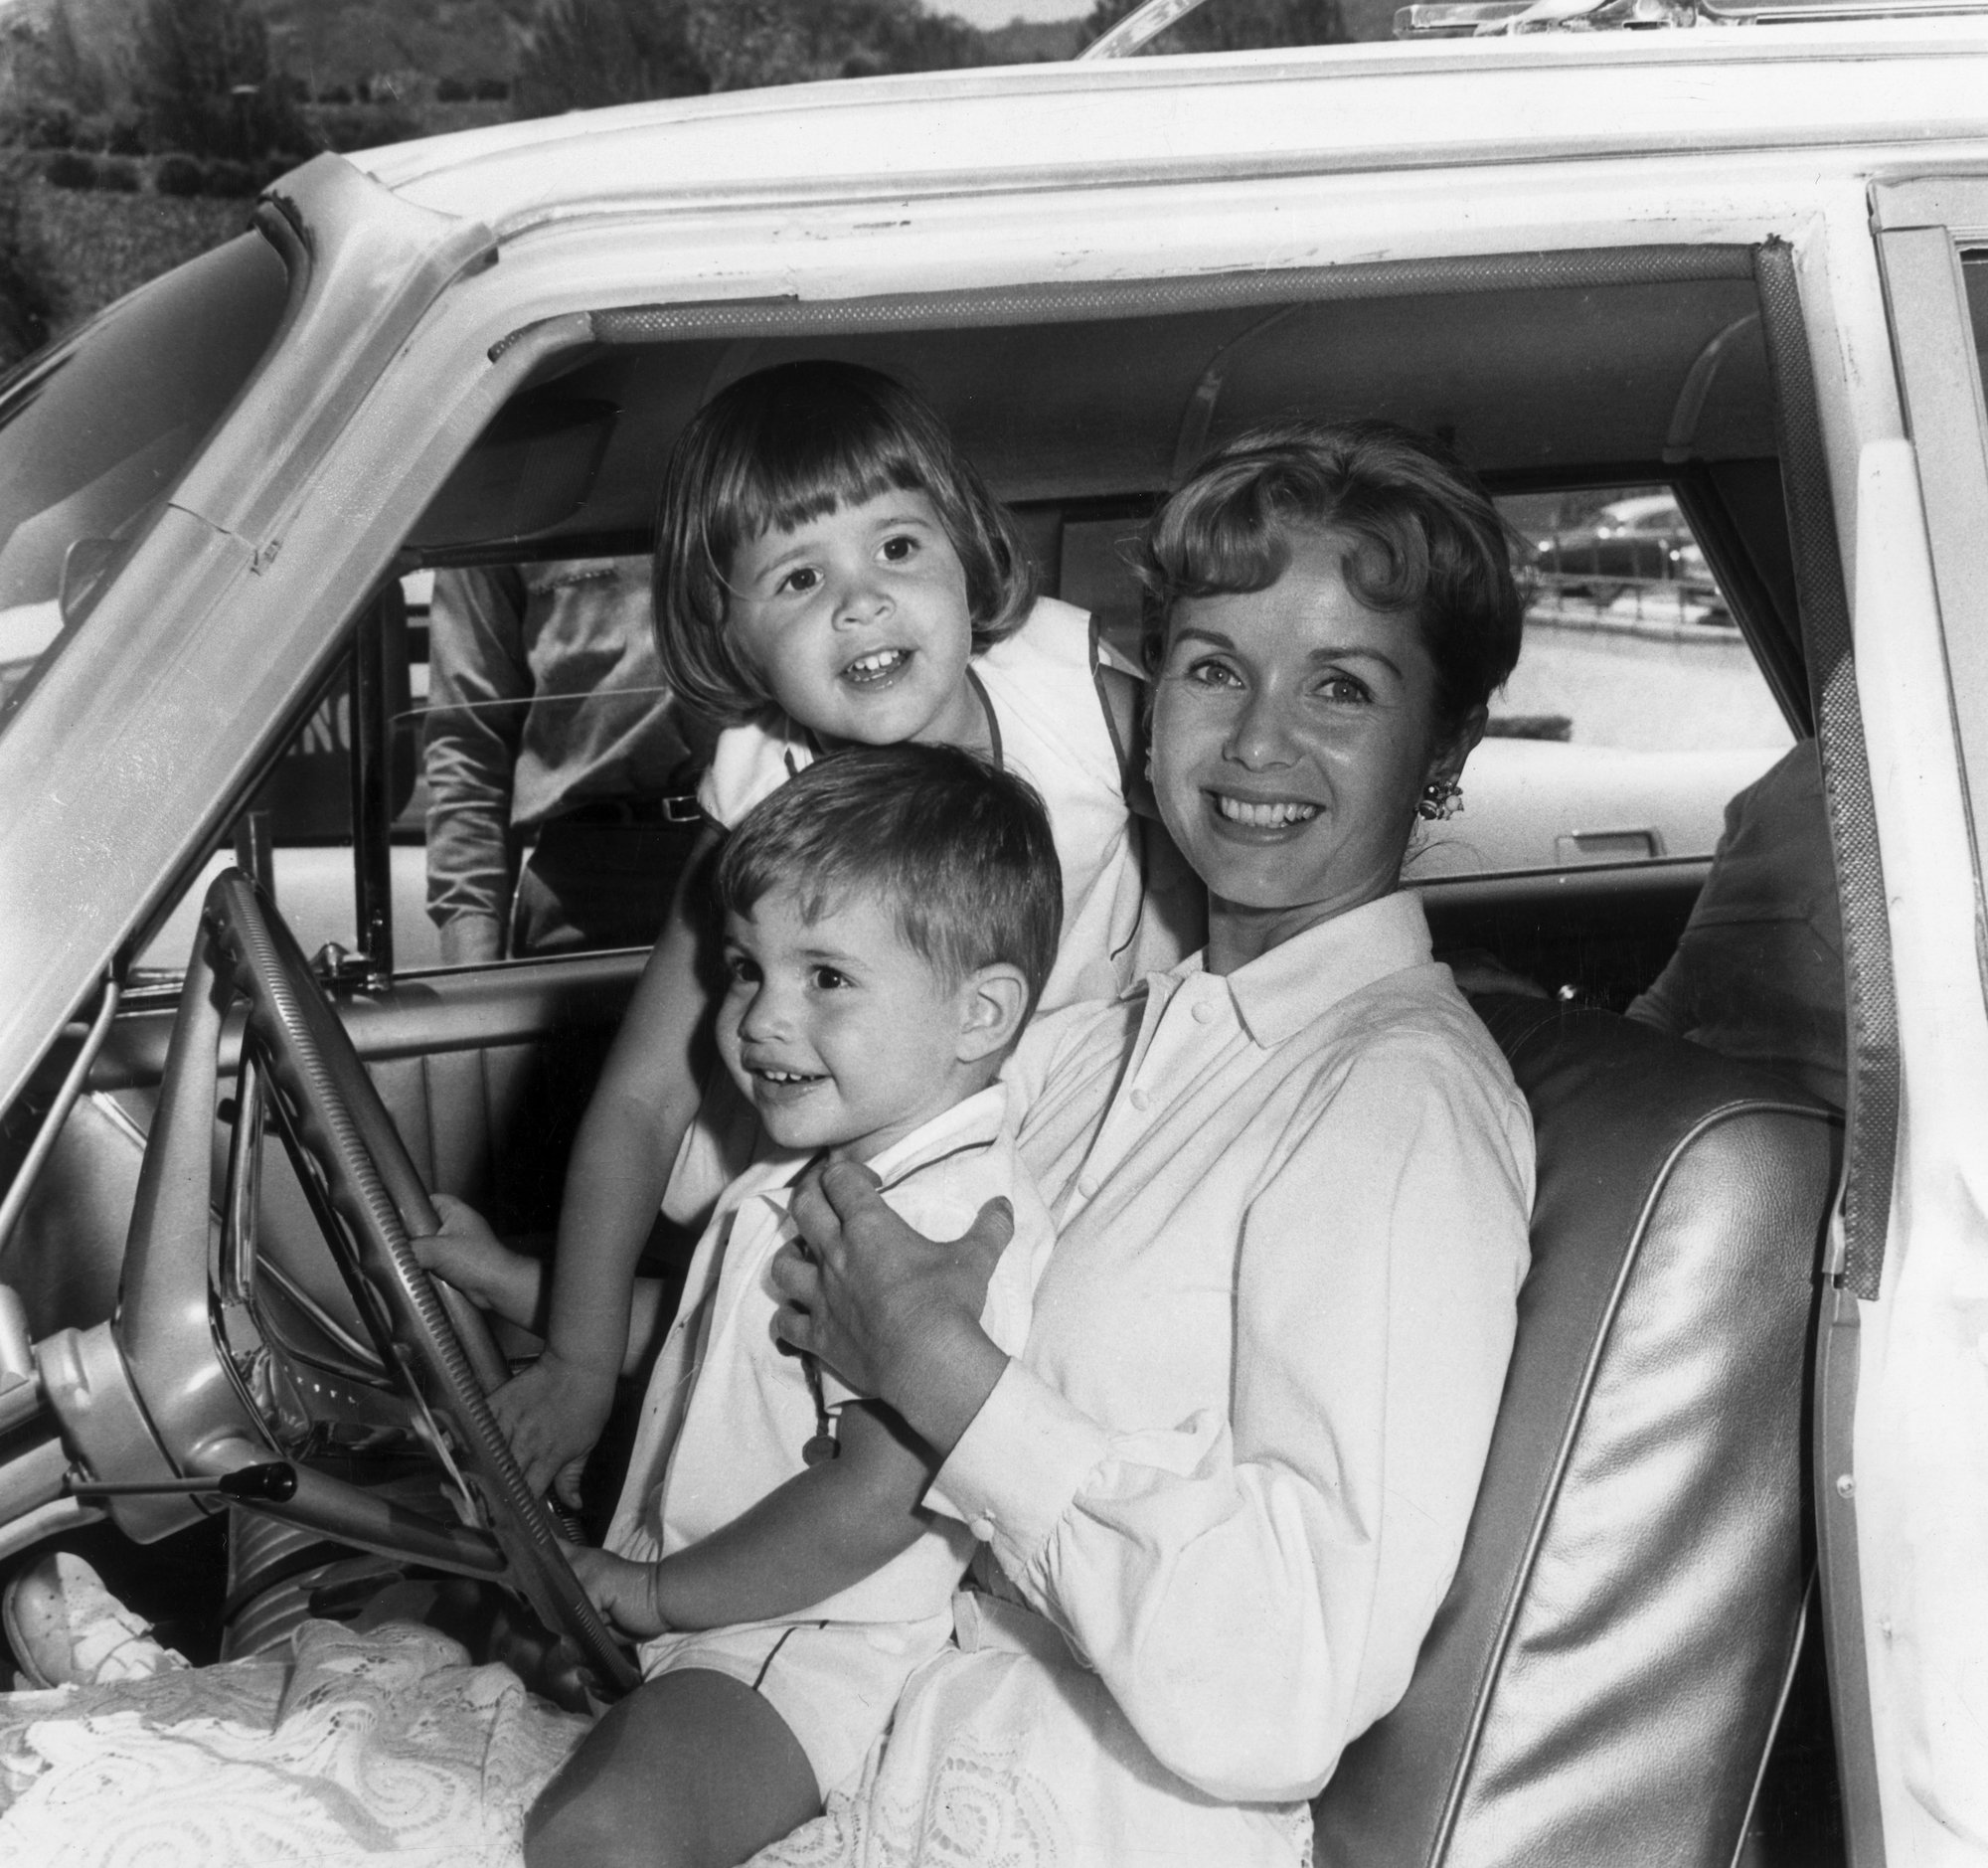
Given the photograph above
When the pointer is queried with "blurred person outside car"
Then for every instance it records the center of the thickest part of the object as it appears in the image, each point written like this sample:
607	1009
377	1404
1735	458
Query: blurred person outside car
561	777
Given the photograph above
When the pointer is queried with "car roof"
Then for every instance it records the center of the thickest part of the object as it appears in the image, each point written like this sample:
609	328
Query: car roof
1855	89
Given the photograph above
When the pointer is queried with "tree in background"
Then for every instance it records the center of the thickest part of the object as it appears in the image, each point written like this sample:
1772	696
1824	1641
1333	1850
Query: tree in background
68	69
744	43
1236	25
30	299
595	52
208	84
587	52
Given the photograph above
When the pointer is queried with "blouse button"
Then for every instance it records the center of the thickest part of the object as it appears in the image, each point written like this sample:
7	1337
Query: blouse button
1088	1187
982	1529
1203	1012
1140	1099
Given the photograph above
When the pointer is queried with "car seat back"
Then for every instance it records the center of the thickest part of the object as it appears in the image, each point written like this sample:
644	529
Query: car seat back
1603	1679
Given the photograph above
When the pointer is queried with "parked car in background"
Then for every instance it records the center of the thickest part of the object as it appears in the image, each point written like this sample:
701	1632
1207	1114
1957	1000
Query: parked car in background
1732	276
1641	545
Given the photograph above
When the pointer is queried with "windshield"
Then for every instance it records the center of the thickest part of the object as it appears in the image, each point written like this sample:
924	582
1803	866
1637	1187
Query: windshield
96	432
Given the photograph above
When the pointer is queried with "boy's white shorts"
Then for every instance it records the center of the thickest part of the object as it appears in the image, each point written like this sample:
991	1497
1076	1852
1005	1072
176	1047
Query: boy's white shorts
835	1683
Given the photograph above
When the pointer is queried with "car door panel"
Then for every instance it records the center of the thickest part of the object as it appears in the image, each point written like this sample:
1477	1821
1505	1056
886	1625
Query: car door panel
1600	935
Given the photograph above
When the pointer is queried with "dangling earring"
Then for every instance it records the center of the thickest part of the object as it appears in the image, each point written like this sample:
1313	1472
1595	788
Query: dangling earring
1442	798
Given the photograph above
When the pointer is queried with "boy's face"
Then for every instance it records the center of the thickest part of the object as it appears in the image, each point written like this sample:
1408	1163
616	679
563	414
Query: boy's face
857	622
841	1035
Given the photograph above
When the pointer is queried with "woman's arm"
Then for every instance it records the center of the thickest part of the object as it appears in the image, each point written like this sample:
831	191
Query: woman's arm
646	1098
821	1533
1255	1589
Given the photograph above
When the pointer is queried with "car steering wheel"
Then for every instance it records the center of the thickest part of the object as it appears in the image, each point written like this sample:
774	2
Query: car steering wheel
189	1299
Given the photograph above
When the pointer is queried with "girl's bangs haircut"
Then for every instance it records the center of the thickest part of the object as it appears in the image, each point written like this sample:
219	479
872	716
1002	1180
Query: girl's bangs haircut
791	444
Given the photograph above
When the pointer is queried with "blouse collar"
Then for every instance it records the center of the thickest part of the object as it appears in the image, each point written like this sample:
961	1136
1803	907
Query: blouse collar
1283	992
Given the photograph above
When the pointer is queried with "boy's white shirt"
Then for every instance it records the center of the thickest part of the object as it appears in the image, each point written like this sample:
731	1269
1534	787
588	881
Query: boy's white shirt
726	1414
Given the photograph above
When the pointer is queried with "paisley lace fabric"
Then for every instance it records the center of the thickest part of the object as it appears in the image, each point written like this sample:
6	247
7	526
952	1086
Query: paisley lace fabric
384	1748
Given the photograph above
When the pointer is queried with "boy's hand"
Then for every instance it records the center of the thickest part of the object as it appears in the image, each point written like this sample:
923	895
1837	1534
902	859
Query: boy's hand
480	1266
624	1592
552	1413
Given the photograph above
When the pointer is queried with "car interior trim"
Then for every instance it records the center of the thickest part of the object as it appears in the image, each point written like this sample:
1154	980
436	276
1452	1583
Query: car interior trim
78	1074
1080	301
1698	382
1869	1152
421	1014
1871	1148
1198	416
1737	513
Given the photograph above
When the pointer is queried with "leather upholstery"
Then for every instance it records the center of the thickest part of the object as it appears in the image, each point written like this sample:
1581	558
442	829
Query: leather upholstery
1603	1679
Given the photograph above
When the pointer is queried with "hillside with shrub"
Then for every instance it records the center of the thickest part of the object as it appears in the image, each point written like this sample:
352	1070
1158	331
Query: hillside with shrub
134	133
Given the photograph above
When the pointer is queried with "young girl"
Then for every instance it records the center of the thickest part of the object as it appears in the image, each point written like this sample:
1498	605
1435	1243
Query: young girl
829	571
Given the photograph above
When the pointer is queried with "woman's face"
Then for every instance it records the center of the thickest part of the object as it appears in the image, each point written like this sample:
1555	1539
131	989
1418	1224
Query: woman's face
1293	732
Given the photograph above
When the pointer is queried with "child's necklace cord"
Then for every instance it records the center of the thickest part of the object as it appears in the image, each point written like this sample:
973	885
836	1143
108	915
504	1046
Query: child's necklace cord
822	1445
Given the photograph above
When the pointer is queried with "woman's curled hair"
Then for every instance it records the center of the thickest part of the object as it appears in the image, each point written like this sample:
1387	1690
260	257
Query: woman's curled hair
1423	538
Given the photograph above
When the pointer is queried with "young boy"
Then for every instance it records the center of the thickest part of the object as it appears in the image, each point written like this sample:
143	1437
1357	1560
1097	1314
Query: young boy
891	915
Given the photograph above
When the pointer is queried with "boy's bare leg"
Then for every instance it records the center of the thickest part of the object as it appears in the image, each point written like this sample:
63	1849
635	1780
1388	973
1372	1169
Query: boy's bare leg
693	1770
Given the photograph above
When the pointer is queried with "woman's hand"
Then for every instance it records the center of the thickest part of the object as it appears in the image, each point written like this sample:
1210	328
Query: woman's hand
624	1592
896	1315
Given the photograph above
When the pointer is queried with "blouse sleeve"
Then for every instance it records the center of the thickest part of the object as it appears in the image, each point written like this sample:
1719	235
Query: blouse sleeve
1254	1590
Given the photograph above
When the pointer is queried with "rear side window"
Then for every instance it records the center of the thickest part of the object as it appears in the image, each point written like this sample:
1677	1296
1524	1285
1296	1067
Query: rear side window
1636	710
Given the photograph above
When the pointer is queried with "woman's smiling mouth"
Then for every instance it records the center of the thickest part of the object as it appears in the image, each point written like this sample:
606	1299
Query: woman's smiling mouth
1262	814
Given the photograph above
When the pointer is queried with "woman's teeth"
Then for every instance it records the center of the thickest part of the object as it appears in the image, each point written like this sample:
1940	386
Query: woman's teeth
785	1077
1264	816
877	665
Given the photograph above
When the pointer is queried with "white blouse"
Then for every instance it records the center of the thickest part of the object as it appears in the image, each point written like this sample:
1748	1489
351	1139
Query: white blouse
1236	1462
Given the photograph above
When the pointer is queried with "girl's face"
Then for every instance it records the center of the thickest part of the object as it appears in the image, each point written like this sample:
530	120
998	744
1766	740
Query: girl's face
1293	732
858	623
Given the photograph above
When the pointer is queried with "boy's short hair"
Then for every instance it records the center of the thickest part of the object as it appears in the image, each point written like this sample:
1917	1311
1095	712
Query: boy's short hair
1423	539
960	850
792	444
